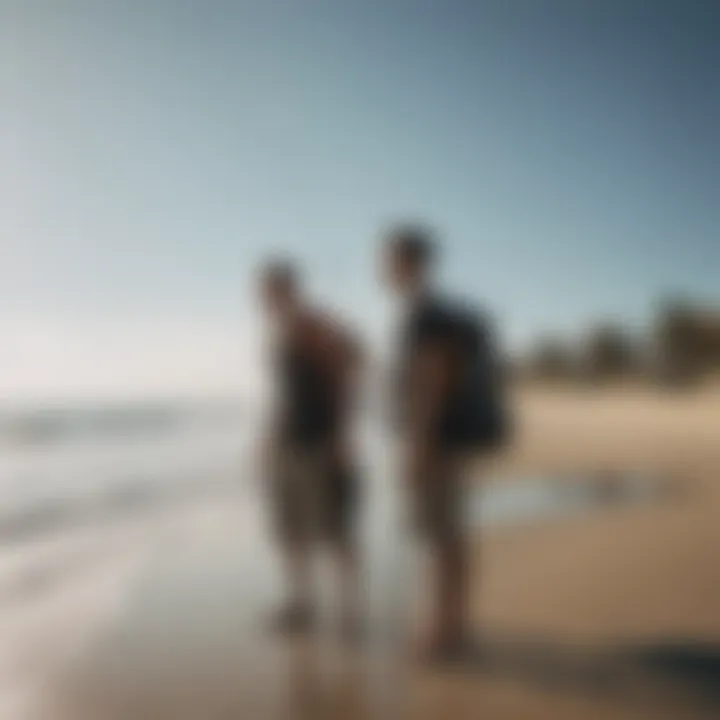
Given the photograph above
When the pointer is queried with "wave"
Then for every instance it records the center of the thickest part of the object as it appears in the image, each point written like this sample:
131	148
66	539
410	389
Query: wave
47	425
124	497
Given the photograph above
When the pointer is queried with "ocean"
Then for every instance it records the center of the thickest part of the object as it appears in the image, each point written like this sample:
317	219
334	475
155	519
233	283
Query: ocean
63	465
73	479
91	497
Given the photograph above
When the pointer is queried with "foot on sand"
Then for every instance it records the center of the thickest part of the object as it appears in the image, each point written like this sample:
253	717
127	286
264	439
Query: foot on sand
444	650
294	618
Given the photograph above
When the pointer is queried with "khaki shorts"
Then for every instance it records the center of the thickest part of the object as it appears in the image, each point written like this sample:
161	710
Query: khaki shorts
438	502
312	500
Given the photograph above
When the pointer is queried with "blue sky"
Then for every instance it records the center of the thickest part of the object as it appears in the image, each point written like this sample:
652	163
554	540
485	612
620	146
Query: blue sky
153	151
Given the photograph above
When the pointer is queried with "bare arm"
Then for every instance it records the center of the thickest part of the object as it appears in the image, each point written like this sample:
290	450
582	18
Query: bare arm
430	377
341	357
270	432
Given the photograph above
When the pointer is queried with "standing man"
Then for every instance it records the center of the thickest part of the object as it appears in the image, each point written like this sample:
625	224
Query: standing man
450	410
309	457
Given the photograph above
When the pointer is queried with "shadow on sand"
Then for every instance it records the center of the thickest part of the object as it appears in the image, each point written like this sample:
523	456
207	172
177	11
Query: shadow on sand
666	670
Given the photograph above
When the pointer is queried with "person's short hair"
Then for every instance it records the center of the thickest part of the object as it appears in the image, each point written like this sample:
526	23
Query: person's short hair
280	273
415	244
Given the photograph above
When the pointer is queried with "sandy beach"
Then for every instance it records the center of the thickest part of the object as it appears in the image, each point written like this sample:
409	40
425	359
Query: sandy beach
610	614
234	231
580	602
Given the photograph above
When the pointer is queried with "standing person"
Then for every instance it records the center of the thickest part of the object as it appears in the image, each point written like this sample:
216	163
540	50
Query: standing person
450	410
308	453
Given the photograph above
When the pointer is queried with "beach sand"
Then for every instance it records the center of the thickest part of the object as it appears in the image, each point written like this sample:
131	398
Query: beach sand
612	614
611	609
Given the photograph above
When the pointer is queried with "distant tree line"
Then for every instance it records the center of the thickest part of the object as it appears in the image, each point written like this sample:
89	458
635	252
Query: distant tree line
681	346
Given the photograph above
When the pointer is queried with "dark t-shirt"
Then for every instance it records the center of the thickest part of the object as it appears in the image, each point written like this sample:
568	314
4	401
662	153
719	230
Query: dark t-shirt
311	408
464	335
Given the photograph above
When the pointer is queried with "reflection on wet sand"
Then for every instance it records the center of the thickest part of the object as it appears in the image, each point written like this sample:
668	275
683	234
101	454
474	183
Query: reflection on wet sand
187	641
182	635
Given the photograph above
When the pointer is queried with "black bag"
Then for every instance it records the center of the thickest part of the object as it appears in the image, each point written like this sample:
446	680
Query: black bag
483	411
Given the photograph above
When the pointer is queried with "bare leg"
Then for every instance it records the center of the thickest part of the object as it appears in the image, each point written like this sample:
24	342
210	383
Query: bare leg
298	611
299	574
350	586
450	578
296	517
451	557
452	590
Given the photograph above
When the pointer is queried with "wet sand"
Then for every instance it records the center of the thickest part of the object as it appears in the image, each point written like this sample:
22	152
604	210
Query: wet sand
611	614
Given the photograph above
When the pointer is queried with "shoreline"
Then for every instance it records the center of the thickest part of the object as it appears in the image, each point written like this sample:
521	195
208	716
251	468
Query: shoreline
573	614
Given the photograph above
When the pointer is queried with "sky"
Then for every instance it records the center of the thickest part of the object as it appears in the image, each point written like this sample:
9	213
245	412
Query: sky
153	151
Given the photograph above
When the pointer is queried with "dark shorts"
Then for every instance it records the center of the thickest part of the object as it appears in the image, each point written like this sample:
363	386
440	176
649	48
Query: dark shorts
313	498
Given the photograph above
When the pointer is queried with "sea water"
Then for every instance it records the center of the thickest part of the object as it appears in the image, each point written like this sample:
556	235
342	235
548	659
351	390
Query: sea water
70	471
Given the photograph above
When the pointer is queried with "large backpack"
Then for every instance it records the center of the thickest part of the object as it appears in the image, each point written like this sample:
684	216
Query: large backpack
483	405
